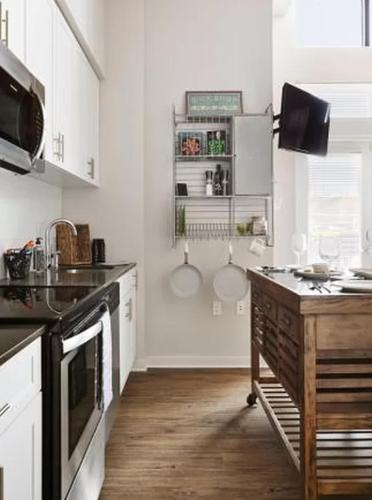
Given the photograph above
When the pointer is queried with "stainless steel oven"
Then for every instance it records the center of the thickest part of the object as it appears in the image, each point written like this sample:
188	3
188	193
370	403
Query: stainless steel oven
76	419
22	123
81	393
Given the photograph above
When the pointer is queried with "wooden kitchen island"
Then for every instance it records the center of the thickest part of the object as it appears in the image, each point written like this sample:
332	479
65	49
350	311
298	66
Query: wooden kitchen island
319	399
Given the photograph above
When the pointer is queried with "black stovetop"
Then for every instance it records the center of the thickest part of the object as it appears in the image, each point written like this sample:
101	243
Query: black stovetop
28	304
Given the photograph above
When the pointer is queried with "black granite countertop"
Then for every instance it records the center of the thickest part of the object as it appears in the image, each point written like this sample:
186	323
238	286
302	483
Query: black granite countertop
92	277
14	338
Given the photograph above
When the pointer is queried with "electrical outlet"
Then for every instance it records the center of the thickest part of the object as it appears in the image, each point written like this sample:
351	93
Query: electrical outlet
241	308
217	308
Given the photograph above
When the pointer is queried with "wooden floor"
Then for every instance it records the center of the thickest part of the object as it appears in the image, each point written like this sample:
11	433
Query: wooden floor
183	435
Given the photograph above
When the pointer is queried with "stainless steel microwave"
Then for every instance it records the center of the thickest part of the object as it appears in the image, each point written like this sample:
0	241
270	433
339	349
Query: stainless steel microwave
22	118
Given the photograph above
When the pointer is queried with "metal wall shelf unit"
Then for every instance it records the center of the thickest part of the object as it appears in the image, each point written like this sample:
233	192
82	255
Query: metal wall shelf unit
201	217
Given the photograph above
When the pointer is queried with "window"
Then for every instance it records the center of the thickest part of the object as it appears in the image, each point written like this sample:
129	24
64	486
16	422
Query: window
348	100
333	23
335	204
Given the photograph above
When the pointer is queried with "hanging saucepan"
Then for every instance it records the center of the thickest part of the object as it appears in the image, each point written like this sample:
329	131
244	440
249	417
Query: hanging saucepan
185	280
230	282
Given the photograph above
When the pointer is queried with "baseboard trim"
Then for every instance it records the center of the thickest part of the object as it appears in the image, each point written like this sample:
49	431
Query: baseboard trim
144	364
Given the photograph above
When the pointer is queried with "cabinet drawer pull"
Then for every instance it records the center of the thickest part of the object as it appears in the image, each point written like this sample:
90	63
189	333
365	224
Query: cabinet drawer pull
268	306
4	409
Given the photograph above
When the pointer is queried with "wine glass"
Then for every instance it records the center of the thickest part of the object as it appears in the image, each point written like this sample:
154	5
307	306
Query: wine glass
329	248
368	247
299	246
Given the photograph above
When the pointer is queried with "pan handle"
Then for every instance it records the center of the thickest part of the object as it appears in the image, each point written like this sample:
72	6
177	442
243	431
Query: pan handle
230	252
186	252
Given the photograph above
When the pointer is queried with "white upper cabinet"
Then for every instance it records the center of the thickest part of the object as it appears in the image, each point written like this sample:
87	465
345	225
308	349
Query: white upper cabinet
89	112
39	57
65	96
39	34
86	18
12	26
76	106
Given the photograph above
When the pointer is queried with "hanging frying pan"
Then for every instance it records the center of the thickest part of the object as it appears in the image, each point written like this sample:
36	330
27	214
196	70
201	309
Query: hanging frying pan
185	280
230	282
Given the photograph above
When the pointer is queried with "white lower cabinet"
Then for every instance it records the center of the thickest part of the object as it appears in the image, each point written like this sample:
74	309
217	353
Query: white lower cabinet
21	425
21	455
128	317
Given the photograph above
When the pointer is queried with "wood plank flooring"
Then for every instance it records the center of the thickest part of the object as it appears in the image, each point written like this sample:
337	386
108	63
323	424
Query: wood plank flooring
183	435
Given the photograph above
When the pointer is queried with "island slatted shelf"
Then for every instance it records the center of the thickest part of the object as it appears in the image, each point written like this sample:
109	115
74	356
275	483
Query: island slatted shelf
319	399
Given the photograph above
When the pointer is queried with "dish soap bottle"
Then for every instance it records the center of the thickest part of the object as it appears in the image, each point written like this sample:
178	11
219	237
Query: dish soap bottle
39	256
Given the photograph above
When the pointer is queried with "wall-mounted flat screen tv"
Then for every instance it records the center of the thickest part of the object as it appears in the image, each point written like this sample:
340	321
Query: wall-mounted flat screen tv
304	122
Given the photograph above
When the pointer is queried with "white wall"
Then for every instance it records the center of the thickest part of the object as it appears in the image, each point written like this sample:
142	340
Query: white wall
207	46
26	206
211	47
304	65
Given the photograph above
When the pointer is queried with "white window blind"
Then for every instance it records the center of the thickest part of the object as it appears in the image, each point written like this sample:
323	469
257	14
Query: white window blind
348	100
335	204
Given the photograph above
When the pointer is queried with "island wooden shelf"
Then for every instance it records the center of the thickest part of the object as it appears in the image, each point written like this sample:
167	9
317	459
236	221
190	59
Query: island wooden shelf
319	399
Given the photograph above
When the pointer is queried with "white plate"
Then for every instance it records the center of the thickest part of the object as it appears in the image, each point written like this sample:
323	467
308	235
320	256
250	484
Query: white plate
317	276
355	285
363	272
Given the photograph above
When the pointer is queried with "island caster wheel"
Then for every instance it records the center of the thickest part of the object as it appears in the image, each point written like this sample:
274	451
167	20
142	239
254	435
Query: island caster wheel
251	399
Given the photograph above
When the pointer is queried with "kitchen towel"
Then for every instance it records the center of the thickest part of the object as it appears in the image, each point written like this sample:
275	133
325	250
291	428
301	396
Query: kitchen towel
107	360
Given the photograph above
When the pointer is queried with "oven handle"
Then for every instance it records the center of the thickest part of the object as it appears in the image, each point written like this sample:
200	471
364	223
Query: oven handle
81	339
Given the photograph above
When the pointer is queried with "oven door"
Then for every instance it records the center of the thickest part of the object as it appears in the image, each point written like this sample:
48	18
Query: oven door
81	397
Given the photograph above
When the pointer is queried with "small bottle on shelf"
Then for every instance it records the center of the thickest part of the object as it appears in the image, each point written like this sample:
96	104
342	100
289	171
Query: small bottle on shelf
225	182
209	183
217	187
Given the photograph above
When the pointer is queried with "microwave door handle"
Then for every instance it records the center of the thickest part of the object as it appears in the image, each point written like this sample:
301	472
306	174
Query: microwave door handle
42	139
81	339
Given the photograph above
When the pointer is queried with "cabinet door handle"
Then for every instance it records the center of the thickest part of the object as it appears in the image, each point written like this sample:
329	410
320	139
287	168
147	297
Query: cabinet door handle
57	141
6	21
4	409
63	147
1	33
91	171
129	306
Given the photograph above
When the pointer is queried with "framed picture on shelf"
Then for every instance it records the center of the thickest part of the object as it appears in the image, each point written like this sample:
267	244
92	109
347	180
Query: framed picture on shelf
218	103
216	143
190	143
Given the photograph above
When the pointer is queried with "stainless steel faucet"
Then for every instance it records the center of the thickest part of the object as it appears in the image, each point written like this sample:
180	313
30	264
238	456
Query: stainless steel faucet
48	231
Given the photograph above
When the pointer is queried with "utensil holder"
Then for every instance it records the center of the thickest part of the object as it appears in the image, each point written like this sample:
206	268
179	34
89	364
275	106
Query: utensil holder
18	264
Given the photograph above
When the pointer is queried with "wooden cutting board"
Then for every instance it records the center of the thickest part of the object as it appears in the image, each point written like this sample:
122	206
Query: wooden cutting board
75	250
